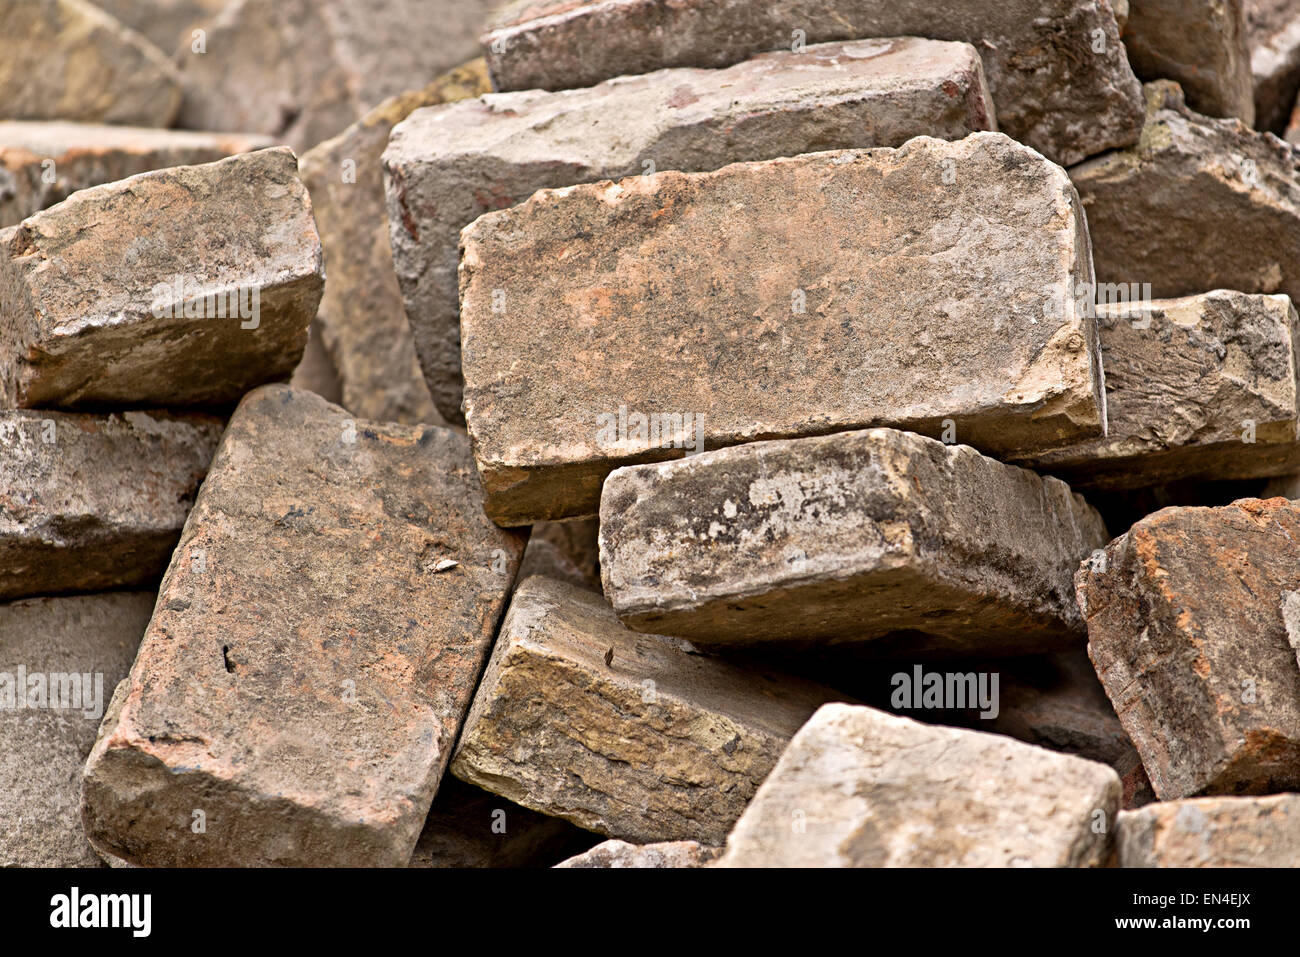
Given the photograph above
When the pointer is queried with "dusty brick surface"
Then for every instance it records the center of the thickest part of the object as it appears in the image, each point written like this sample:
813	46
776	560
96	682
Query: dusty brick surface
166	23
95	502
72	652
1212	832
180	287
1058	71
1202	387
312	654
858	537
1193	622
362	320
304	70
1273	32
1226	200
447	166
91	154
681	295
1202	45
69	60
861	788
620	854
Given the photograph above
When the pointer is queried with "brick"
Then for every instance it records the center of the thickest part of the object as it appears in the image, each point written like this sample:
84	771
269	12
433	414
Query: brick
304	70
69	60
1189	614
91	289
72	652
89	154
1200	44
1273	32
95	502
1057	69
363	323
864	536
449	165
309	623
1225	198
1202	387
635	737
166	23
819	293
1212	832
860	788
620	854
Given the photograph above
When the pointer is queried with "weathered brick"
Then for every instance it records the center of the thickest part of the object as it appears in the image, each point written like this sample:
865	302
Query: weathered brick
1202	45
1192	615
636	737
72	652
1203	387
861	788
920	288
449	165
314	648
1273	32
863	536
166	23
1198	204
180	287
362	320
1057	68
620	854
69	60
95	502
1212	832
42	163
304	70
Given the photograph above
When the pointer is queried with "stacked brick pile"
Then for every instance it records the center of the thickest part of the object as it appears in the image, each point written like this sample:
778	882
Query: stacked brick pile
690	435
